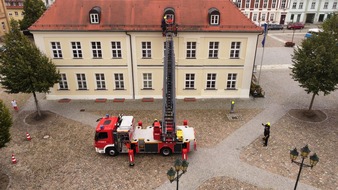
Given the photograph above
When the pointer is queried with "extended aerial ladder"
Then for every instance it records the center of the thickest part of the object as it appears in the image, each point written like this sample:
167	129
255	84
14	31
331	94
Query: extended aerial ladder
169	94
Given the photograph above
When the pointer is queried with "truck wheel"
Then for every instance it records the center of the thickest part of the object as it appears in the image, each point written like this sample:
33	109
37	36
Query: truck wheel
166	151
111	151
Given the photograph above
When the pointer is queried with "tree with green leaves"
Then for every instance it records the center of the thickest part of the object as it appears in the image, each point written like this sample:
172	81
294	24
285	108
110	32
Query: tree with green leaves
23	67
315	62
5	124
32	9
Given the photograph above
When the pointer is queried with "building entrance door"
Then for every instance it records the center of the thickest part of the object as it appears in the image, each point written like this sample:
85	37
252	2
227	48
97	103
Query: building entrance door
282	19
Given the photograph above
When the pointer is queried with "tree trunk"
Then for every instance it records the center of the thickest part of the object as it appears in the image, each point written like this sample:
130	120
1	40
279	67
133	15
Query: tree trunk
313	98
37	104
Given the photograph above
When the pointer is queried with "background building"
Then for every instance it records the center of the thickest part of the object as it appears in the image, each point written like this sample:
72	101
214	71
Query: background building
14	9
48	3
114	49
285	11
3	18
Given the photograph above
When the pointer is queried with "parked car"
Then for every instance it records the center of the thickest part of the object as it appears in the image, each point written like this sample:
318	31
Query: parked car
313	31
295	25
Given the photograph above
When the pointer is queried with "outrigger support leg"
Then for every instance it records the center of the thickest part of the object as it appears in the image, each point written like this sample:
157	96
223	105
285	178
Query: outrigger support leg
131	157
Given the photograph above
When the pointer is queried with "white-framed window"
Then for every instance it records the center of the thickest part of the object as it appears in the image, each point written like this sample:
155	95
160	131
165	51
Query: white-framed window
235	48
239	3
96	49
211	81
146	50
213	50
256	4
119	82
247	3
273	4
191	50
81	81
265	4
282	5
147	81
263	16
294	5
326	4
214	19
3	25
100	81
231	82
10	14
63	84
16	13
56	49
313	5
300	6
272	17
116	50
254	17
76	48
189	81
94	18
334	5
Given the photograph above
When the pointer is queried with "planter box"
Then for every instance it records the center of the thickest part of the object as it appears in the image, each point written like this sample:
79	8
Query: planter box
289	44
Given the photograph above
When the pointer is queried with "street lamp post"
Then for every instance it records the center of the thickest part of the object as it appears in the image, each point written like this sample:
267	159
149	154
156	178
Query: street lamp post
304	152
179	166
293	34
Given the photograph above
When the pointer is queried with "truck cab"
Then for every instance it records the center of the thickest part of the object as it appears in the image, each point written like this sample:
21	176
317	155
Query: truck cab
112	134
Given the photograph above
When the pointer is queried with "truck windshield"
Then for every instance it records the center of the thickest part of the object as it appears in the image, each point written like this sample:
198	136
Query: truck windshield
101	135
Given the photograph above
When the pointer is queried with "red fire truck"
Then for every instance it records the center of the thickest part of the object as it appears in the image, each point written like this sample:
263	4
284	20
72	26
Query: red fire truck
120	134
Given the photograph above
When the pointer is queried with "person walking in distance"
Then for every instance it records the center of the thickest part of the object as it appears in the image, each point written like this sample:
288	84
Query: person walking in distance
266	133
14	105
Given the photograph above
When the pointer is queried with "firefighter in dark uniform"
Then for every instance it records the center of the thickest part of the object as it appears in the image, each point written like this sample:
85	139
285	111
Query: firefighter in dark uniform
266	133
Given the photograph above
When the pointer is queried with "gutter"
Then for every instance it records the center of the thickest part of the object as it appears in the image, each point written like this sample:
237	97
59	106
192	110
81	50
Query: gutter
132	66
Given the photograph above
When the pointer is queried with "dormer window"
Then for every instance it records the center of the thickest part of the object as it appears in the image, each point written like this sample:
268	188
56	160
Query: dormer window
94	18
95	15
214	16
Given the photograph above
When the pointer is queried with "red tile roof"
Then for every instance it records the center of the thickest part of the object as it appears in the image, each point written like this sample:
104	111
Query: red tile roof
142	15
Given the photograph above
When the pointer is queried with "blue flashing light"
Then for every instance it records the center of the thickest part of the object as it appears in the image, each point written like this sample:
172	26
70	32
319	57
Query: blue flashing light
101	127
107	115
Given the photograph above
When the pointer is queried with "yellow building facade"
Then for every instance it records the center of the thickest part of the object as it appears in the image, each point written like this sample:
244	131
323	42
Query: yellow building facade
97	63
3	19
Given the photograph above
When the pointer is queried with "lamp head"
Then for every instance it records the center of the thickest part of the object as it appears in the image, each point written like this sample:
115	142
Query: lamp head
304	152
314	160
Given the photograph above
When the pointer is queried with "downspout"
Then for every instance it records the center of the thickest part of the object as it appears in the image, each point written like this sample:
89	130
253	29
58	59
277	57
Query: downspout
132	66
254	63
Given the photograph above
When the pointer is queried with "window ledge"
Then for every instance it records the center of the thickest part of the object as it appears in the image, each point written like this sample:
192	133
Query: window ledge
212	57
234	58
117	58
57	57
231	89
77	58
82	89
63	89
102	89
146	57
97	57
147	89
119	89
189	89
191	58
210	89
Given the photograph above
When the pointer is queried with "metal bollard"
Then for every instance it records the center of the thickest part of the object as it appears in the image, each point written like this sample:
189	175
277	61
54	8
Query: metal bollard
232	106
